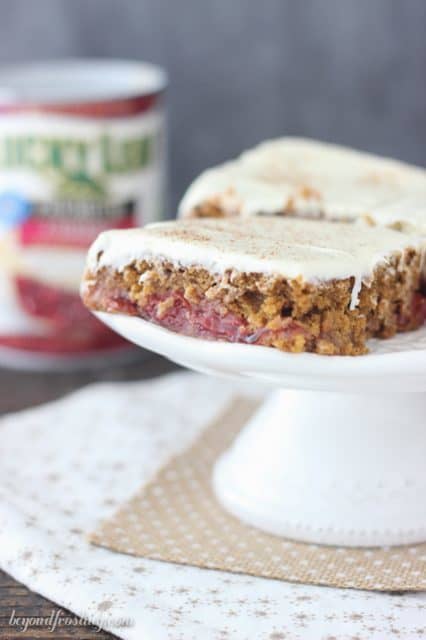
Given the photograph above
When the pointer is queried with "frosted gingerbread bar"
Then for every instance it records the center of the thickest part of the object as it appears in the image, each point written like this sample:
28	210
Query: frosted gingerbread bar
306	178
291	284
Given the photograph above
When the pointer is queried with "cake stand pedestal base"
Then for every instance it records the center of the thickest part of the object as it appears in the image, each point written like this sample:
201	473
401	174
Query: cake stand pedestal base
322	463
331	468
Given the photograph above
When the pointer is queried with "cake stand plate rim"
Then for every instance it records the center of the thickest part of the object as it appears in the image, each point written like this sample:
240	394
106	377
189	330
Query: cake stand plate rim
409	361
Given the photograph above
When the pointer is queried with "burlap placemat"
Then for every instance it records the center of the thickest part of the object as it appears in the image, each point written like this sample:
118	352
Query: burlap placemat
176	518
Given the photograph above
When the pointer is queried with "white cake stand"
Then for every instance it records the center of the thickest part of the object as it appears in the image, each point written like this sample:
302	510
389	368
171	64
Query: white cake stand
339	456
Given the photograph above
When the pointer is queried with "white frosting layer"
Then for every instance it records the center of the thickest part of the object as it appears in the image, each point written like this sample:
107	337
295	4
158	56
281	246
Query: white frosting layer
314	178
291	248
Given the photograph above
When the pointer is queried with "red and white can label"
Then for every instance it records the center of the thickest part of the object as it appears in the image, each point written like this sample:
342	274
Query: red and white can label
64	178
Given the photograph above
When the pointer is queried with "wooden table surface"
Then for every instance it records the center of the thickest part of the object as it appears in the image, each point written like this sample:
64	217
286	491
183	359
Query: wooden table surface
19	390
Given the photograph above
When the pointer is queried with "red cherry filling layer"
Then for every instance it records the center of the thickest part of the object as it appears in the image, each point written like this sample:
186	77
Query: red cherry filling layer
204	319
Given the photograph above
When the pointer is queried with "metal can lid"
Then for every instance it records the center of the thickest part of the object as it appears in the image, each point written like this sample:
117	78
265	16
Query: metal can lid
80	81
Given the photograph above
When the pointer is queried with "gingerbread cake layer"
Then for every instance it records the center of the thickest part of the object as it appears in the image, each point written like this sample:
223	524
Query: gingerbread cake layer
291	284
298	177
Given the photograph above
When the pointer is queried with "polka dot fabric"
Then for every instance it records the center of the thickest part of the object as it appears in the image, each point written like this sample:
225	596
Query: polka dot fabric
68	465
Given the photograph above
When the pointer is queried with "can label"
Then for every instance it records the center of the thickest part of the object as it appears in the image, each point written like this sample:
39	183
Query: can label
63	180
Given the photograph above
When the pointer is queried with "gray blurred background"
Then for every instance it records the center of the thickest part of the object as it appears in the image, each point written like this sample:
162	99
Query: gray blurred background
244	70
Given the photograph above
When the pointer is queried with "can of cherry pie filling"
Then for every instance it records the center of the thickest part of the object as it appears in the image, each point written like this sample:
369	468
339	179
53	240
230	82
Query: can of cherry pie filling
82	149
